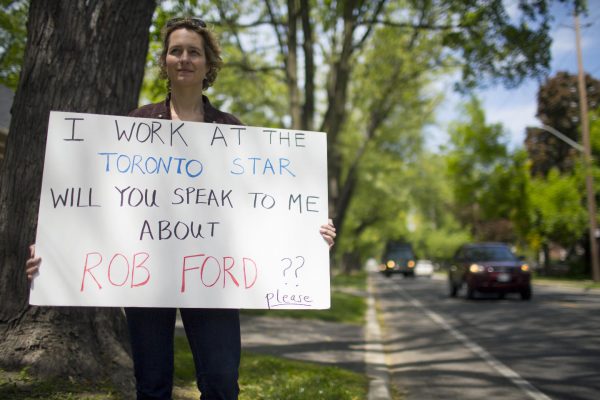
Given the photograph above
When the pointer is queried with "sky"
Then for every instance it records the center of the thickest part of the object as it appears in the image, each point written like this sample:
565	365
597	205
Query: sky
515	109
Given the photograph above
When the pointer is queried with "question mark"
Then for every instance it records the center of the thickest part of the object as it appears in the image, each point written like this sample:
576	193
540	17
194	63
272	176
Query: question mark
301	265
288	267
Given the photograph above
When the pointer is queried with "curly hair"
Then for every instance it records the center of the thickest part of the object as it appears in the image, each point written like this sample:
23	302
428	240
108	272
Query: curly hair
212	48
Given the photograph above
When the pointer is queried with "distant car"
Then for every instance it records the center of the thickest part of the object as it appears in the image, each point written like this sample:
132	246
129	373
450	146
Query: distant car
398	258
489	267
424	268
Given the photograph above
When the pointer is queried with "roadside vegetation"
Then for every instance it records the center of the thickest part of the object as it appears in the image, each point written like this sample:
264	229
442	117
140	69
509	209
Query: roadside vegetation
348	303
576	282
261	377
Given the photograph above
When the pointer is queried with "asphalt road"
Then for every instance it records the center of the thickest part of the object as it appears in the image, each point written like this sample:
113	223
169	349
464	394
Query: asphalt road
439	347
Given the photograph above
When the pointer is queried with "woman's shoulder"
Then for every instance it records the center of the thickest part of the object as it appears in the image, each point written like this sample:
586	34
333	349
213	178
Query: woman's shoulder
213	114
154	110
226	118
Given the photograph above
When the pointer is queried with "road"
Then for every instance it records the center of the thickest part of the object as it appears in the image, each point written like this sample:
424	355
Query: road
439	347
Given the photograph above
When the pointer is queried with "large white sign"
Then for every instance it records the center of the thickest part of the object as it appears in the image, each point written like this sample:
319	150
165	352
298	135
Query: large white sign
159	213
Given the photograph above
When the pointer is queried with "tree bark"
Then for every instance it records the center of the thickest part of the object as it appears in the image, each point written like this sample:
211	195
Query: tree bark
292	64
81	56
308	109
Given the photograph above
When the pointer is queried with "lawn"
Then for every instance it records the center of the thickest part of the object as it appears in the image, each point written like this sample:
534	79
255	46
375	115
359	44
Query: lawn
261	376
348	303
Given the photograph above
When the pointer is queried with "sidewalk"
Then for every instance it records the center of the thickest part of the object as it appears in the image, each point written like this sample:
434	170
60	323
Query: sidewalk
354	347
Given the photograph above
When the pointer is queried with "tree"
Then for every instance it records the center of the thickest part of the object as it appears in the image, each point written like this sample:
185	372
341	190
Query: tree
13	17
489	183
558	107
81	56
436	230
274	48
556	211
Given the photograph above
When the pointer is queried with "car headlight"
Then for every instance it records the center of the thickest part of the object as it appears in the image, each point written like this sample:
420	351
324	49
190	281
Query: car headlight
476	268
390	264
411	264
525	268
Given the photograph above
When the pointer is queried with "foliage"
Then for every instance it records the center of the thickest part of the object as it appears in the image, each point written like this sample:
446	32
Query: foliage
489	183
493	46
13	36
557	213
375	60
381	143
558	108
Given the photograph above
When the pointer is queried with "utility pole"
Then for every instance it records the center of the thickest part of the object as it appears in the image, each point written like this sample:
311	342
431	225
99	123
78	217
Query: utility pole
587	155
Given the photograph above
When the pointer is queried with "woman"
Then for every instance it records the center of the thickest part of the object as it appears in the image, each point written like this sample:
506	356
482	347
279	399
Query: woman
189	61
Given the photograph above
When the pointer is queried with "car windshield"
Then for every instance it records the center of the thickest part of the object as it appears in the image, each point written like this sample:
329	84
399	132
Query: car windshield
400	253
491	253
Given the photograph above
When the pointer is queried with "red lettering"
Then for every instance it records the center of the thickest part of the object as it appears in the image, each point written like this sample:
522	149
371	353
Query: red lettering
110	264
117	262
88	270
227	271
211	269
140	265
203	269
185	269
246	275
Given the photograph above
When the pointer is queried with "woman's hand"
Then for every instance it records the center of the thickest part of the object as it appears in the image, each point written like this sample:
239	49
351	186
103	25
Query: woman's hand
32	265
328	233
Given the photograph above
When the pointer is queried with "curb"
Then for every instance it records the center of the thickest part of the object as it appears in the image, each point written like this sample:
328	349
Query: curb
376	365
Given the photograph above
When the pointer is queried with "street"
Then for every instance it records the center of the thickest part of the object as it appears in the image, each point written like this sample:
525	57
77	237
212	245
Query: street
439	347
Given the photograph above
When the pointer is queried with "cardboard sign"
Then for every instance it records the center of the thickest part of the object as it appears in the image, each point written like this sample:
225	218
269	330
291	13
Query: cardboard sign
160	213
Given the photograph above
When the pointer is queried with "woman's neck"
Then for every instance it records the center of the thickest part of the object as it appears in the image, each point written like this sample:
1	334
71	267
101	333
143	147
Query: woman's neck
187	104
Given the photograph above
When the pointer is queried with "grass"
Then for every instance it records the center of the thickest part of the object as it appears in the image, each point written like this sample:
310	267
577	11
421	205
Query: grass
575	282
345	308
356	280
348	305
21	386
267	377
261	377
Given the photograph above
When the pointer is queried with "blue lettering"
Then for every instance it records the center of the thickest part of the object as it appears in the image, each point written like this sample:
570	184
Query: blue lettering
236	162
139	164
260	166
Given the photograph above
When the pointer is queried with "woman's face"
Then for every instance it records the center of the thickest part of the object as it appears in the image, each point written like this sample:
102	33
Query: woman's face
186	59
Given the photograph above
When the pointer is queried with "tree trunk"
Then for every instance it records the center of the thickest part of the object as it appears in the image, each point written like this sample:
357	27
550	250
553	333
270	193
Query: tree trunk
308	109
81	56
292	64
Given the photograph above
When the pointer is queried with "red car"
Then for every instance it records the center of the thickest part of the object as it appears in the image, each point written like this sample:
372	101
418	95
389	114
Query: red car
489	267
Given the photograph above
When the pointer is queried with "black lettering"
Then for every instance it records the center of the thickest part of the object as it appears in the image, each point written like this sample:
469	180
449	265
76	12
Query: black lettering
239	132
72	138
146	230
123	134
176	131
220	136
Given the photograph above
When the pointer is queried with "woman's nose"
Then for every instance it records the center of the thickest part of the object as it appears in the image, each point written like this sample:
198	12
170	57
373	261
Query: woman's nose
185	56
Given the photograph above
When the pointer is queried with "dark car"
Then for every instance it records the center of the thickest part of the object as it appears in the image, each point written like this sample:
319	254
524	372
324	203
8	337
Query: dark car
489	267
398	258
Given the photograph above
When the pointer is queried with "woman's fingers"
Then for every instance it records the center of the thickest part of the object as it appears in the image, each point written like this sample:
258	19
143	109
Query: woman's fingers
32	265
328	233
